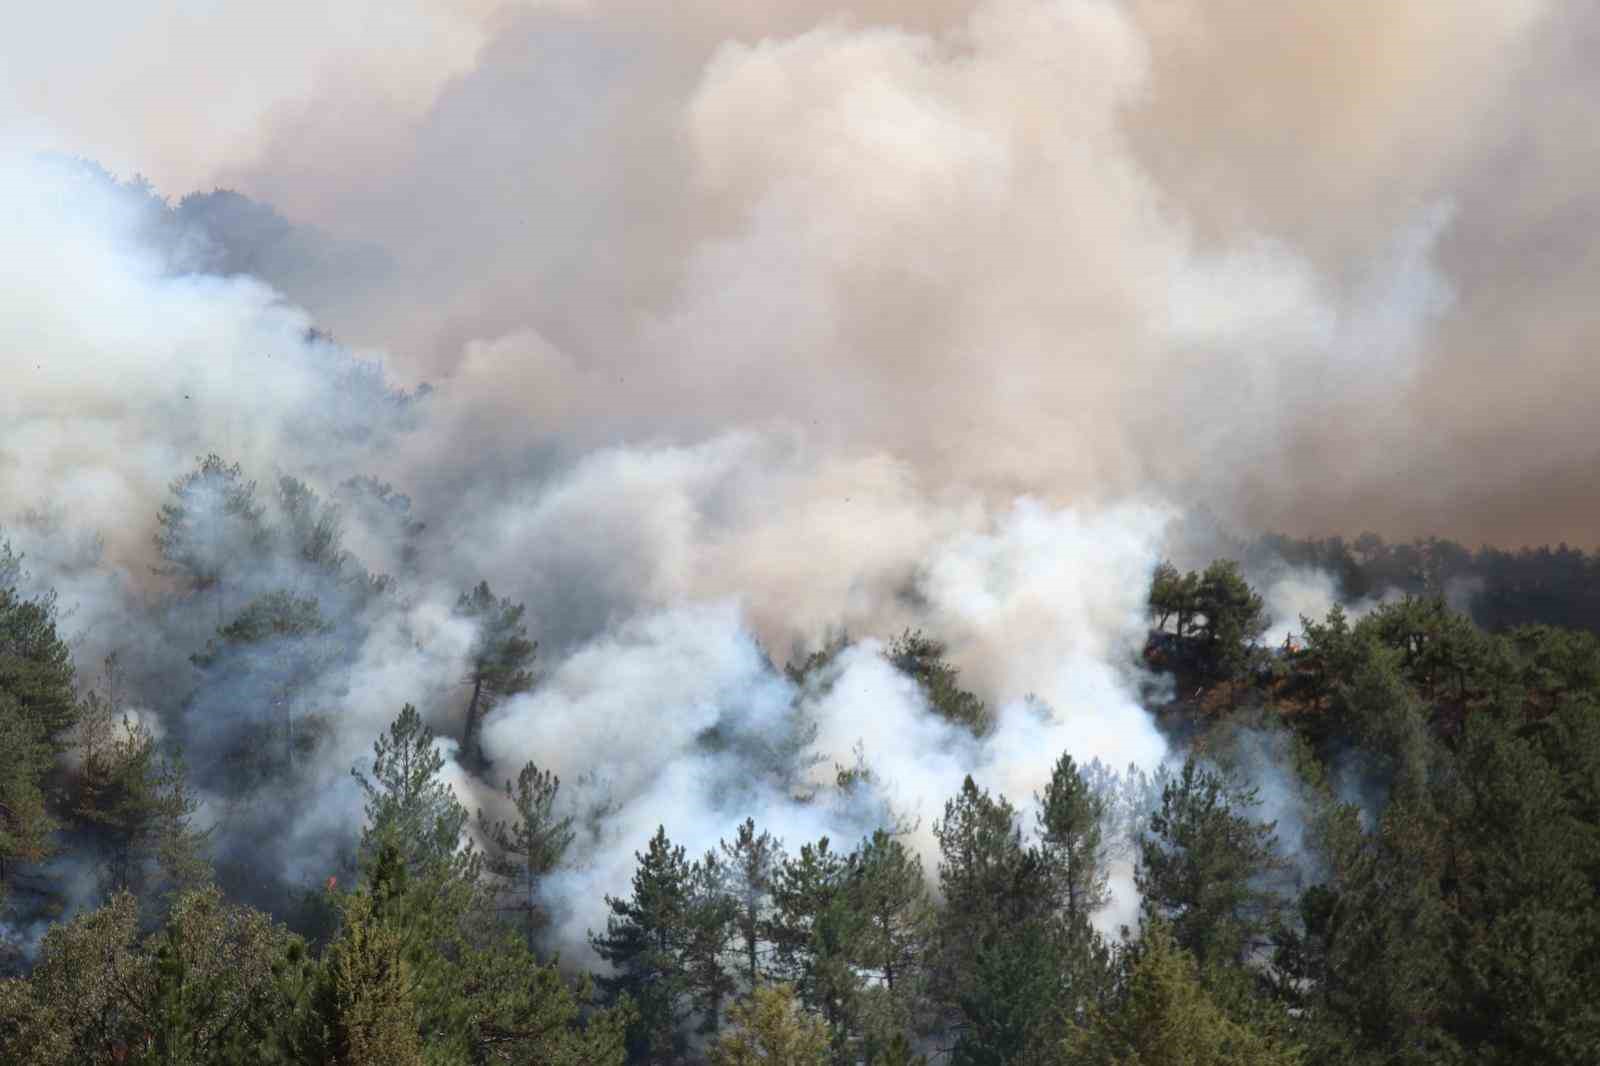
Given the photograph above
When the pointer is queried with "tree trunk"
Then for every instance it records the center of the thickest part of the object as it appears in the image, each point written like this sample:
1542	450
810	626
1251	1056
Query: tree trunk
471	747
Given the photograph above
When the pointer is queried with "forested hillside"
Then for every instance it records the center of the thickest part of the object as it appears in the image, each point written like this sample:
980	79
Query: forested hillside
799	533
1377	842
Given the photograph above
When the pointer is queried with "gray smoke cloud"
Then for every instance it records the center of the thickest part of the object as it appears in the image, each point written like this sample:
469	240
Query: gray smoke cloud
658	573
1278	262
754	322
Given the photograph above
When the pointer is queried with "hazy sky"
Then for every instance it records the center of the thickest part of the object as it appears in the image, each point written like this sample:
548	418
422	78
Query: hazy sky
1326	266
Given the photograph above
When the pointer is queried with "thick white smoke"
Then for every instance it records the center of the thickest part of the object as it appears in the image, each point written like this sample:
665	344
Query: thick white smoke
658	573
1041	603
756	322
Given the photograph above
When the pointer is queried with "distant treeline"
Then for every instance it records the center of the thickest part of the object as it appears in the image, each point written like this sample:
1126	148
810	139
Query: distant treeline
1500	589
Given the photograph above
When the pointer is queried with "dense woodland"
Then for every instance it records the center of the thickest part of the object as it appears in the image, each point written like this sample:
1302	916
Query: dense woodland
1381	844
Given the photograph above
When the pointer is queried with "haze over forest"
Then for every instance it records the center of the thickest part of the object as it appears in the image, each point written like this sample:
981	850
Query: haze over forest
829	416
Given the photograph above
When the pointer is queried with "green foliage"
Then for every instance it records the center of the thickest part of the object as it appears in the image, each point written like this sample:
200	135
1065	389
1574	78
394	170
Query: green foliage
499	662
26	826
1216	616
522	852
1010	972
371	1016
1376	709
314	528
1437	647
923	659
1233	617
1072	838
992	885
646	940
36	674
1201	867
1557	586
1447	915
1164	1016
897	1052
138	802
1387	933
813	930
812	668
77	1005
37	712
750	861
198	991
213	976
768	1029
1521	880
1173	597
710	941
423	876
435	967
892	921
1332	652
408	806
212	525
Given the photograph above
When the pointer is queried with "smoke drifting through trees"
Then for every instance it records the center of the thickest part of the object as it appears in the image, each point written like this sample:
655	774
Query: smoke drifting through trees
752	329
877	276
898	346
252	585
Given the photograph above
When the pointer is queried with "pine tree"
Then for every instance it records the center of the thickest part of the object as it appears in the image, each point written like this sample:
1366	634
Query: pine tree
997	967
408	805
138	803
767	1028
1173	597
195	992
26	826
423	874
711	932
521	1011
1379	711
521	853
371	1015
1388	977
750	861
1521	884
1072	818
36	674
922	658
269	654
645	942
80	1003
1201	867
313	529
1232	618
1071	837
1164	1016
499	663
893	923
210	978
475	993
37	712
814	931
212	529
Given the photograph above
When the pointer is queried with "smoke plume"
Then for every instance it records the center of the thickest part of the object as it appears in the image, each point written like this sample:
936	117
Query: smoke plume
747	325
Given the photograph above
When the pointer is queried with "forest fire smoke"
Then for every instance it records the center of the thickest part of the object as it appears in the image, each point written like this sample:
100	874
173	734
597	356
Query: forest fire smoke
753	324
